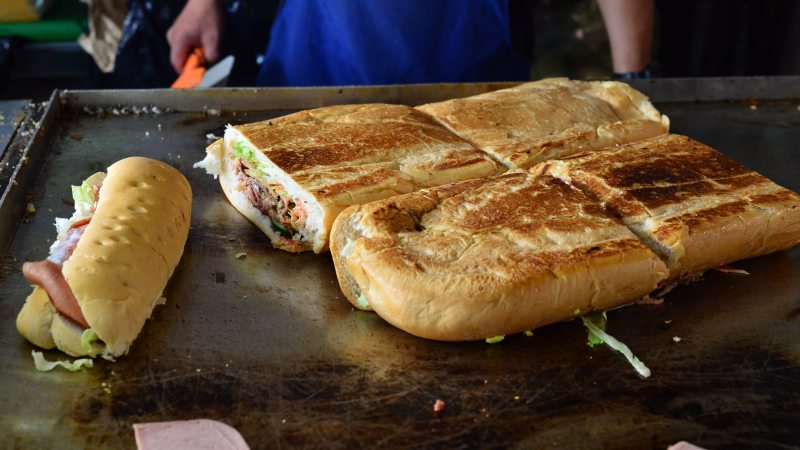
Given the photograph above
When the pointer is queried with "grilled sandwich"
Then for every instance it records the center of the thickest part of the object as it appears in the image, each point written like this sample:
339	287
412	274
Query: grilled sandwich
691	204
550	119
489	257
291	176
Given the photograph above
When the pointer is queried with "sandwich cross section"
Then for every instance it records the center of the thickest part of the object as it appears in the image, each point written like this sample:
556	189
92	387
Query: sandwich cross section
291	176
489	257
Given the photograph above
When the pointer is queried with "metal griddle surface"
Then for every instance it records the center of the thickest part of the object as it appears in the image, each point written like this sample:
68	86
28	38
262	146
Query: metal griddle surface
267	344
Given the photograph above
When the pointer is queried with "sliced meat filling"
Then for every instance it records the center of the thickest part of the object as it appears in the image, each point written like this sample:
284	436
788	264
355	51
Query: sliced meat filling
271	200
47	274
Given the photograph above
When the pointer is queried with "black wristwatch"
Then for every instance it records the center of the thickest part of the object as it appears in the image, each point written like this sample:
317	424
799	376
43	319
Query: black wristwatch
653	70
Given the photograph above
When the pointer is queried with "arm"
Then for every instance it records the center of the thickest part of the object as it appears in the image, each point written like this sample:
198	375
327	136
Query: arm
630	31
198	25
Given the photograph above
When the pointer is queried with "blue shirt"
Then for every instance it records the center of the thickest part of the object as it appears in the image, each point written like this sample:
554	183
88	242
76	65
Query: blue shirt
349	42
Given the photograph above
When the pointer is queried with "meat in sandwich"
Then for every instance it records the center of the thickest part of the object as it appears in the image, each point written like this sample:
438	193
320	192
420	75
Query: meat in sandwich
111	260
291	176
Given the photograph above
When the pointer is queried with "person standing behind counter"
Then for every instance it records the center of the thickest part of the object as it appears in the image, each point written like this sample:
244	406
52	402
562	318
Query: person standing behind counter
353	42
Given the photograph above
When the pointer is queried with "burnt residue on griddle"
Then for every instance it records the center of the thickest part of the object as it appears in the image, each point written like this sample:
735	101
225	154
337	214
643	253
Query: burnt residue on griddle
307	404
194	119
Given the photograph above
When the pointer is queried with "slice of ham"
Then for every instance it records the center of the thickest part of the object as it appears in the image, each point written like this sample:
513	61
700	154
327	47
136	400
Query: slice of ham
47	274
683	445
198	434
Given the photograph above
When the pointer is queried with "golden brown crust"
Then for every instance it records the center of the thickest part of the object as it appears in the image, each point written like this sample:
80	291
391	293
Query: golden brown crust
370	139
353	154
488	257
697	208
550	119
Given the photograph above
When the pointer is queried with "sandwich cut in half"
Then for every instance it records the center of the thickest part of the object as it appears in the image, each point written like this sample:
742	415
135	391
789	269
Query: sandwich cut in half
691	204
550	119
489	257
291	176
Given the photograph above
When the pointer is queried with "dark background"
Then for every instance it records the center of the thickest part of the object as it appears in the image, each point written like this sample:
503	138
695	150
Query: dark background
698	38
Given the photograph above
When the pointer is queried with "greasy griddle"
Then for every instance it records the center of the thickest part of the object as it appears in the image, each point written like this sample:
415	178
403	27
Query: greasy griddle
266	342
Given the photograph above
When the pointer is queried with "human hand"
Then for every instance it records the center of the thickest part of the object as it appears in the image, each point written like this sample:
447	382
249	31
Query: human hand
198	25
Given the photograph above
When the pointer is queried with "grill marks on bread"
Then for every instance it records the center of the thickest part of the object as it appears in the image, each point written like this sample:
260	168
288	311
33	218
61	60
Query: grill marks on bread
697	208
360	135
491	256
550	119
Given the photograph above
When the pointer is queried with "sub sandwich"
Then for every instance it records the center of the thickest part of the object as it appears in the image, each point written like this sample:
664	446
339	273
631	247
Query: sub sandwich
111	260
695	207
291	176
489	257
550	119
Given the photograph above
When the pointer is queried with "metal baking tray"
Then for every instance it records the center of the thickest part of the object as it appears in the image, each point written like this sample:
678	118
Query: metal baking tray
266	342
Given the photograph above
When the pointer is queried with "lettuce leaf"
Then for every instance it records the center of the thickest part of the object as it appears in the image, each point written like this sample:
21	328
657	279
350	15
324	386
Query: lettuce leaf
88	337
243	150
83	193
362	301
495	339
599	320
44	365
246	151
596	324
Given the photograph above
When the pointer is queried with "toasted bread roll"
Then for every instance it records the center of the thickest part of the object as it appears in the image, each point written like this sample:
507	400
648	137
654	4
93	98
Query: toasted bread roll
291	176
121	263
550	119
691	204
488	257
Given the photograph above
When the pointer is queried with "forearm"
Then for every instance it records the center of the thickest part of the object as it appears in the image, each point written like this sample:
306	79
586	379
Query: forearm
630	32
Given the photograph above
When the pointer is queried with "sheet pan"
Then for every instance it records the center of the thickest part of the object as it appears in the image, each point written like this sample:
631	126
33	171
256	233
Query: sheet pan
266	342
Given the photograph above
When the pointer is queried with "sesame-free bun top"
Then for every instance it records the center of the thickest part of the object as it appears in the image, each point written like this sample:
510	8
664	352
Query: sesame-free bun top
122	262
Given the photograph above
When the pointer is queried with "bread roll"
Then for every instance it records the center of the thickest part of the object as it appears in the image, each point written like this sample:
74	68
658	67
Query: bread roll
291	176
121	264
691	204
488	257
550	119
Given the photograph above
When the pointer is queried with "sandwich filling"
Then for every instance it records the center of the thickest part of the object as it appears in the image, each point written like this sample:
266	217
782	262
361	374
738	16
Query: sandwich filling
47	273
287	216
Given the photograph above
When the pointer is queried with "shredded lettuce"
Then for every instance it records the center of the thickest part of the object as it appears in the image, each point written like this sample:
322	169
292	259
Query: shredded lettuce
83	193
246	151
495	339
44	365
84	196
599	320
243	150
362	301
88	337
596	324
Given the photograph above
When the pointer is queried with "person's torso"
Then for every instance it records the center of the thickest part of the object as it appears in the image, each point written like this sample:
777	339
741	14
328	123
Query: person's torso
344	42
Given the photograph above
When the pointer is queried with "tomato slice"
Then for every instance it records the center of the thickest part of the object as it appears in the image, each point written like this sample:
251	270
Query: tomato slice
81	222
